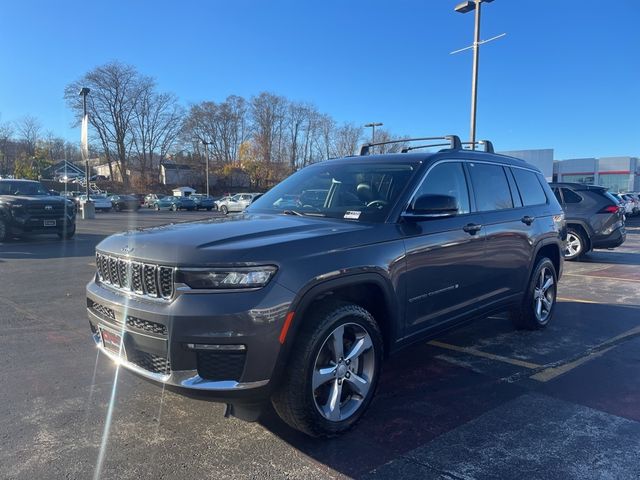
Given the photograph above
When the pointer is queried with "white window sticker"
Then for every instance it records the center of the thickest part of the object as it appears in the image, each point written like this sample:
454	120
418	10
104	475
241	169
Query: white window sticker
352	214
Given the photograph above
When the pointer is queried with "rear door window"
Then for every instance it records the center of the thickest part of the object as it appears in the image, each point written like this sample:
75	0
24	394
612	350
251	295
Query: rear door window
530	189
490	187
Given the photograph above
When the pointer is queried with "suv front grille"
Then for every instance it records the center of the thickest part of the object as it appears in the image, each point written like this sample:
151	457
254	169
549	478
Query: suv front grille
148	280
218	366
45	210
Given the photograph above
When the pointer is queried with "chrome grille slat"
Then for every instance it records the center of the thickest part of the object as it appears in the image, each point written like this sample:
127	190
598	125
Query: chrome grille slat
148	280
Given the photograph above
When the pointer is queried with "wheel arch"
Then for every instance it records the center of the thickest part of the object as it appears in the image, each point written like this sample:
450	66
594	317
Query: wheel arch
371	291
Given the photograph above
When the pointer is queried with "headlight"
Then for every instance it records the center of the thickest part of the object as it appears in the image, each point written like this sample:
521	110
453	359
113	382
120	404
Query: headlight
226	278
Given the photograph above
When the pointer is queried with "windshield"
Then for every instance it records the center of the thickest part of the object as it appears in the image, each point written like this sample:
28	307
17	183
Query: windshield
22	188
353	191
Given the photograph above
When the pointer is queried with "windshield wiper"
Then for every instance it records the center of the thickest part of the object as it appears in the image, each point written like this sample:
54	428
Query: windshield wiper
303	214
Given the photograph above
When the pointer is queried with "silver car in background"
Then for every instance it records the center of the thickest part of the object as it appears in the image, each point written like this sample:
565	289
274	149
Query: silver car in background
236	203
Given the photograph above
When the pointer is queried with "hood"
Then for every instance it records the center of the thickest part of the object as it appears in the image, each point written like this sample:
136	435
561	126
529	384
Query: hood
244	239
33	200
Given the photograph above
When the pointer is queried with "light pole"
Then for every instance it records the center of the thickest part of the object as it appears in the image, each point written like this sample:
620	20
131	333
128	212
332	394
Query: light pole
373	126
206	154
466	7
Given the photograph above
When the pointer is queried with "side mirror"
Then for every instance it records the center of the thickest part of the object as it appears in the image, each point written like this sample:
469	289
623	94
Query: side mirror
432	206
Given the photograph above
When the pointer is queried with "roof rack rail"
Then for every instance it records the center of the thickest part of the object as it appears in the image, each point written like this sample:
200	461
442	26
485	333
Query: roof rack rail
488	146
454	144
408	149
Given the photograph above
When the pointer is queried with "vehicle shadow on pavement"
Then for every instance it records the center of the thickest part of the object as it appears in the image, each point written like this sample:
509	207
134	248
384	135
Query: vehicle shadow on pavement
45	247
423	394
608	257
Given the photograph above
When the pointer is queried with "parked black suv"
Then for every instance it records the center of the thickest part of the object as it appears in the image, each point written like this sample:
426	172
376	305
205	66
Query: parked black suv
301	304
26	207
594	218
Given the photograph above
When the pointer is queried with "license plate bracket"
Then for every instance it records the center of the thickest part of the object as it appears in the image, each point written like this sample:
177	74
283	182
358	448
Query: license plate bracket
112	341
49	223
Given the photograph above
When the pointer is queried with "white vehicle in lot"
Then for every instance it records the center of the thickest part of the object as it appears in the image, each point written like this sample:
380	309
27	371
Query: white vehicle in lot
625	204
236	203
101	202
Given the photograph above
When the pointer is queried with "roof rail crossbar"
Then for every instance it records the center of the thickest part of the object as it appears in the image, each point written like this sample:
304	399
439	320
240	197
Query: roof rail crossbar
408	149
488	146
454	139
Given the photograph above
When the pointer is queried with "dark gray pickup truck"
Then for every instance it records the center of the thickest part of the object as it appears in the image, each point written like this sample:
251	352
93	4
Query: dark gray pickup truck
298	301
27	208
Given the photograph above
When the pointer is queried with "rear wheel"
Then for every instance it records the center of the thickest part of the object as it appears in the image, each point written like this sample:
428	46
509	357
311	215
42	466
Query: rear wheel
540	298
208	209
174	207
117	207
575	244
333	371
224	209
156	207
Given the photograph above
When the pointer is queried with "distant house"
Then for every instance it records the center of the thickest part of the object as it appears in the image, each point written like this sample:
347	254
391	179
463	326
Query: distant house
183	191
176	174
62	168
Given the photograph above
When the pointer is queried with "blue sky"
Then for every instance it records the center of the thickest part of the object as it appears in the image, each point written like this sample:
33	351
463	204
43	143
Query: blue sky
560	79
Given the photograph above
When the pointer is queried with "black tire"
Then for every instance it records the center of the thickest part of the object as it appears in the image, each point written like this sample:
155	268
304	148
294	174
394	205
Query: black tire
4	231
117	207
208	209
224	209
295	398
68	233
526	316
576	244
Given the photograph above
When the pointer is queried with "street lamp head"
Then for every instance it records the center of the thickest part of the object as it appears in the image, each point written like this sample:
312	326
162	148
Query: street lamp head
84	91
469	6
375	124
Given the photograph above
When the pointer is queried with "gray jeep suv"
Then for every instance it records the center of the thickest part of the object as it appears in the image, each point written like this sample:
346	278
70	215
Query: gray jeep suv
300	305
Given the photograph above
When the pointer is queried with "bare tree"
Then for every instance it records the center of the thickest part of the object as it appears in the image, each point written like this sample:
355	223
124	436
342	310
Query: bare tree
116	89
268	113
347	139
156	124
6	134
29	129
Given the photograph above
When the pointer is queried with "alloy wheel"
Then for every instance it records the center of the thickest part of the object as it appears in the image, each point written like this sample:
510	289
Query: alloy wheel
544	295
343	372
573	245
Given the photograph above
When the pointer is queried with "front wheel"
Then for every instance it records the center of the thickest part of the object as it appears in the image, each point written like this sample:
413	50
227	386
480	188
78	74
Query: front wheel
156	207
4	230
224	209
333	370
174	208
540	298
67	233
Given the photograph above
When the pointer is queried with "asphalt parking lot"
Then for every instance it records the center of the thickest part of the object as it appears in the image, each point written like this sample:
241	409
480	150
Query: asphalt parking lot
483	401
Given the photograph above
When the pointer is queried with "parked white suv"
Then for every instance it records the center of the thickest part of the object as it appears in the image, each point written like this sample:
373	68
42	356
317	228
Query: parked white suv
237	203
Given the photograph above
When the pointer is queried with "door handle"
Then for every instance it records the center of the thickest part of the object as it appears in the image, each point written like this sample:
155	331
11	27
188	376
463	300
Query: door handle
527	219
472	228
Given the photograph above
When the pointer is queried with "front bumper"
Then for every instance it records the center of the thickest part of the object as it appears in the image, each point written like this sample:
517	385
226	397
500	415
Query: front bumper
225	344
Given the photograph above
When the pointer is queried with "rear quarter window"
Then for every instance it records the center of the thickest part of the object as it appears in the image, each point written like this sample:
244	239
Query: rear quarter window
570	196
531	190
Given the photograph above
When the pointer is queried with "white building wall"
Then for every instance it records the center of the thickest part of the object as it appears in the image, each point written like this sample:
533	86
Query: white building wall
541	158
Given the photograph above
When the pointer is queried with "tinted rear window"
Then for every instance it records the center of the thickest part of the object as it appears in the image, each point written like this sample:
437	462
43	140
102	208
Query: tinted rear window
490	186
570	196
529	186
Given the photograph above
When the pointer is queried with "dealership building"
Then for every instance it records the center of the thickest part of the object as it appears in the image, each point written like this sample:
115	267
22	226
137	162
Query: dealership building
618	174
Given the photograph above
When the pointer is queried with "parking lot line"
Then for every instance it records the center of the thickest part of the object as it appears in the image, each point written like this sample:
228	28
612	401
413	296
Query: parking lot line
578	300
602	276
558	369
490	356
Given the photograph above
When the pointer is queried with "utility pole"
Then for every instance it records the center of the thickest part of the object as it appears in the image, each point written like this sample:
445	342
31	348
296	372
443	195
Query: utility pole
88	209
206	154
373	126
466	7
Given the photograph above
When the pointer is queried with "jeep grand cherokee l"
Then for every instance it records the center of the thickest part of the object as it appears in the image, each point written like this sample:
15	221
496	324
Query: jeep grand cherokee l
26	207
300	306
